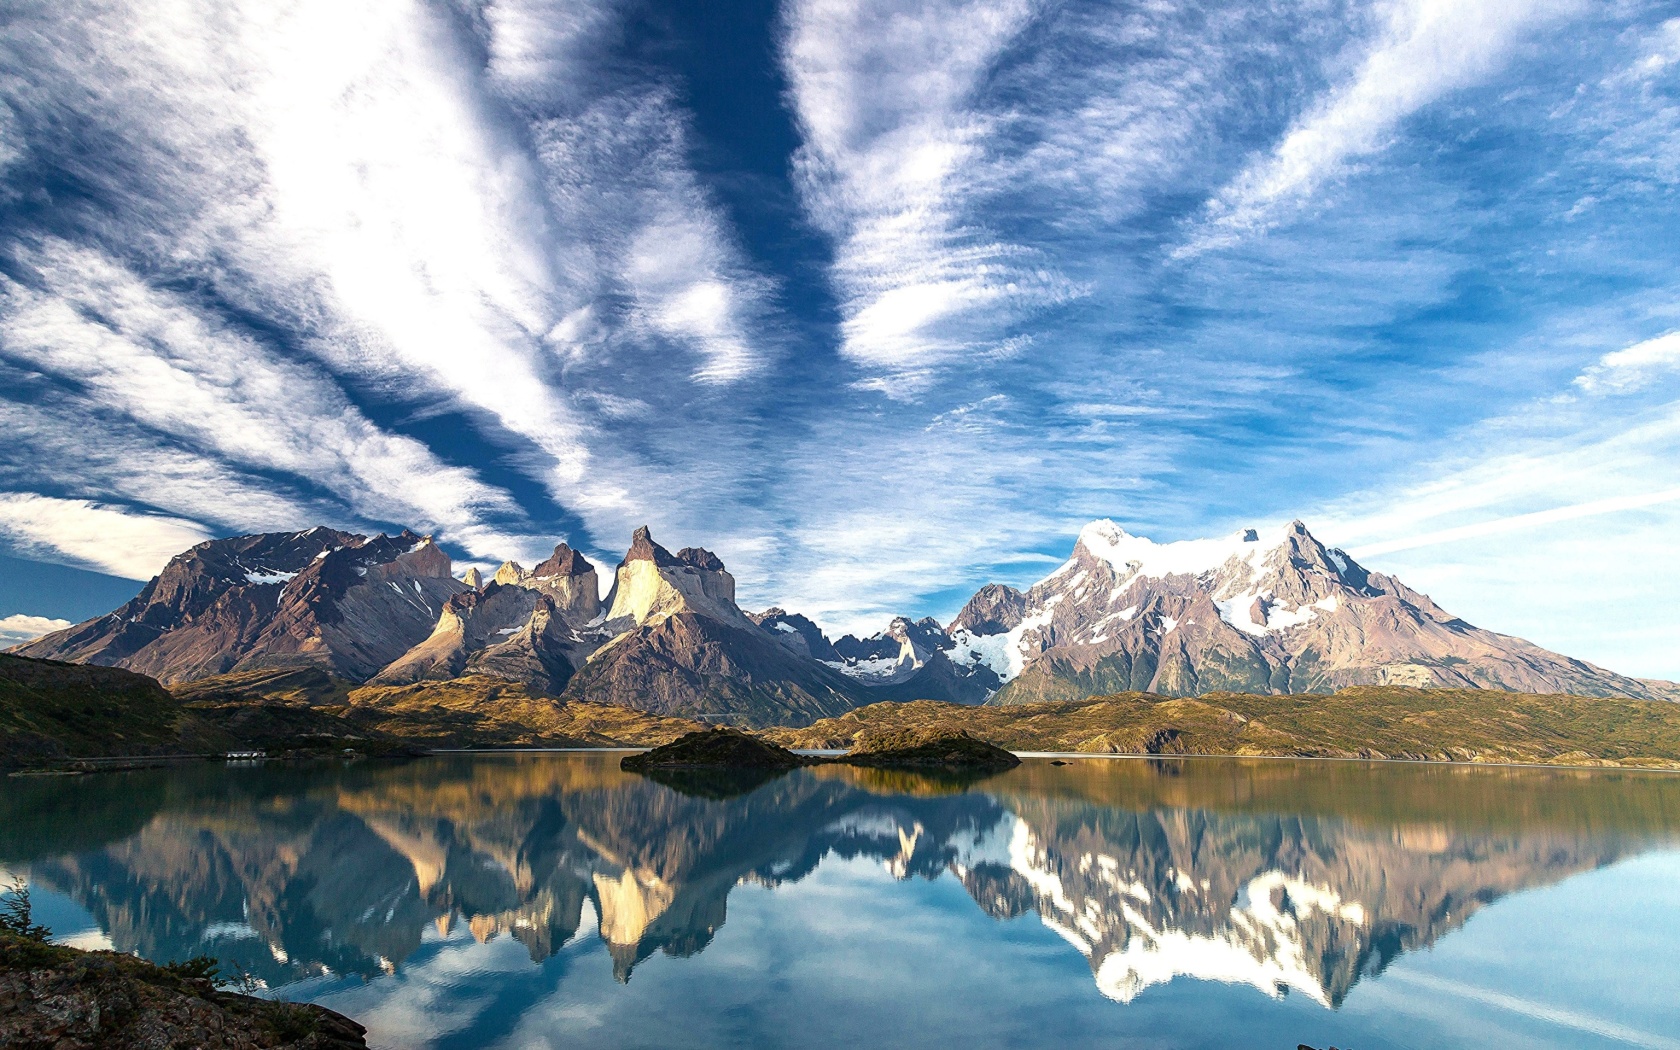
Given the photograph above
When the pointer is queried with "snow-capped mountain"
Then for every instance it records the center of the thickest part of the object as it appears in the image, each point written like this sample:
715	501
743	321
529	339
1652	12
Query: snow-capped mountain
1263	610
913	660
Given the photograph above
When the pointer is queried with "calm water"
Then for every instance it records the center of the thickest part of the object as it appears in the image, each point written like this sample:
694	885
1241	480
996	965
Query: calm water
550	900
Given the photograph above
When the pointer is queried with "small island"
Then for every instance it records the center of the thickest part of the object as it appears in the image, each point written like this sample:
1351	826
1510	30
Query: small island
929	749
726	748
720	747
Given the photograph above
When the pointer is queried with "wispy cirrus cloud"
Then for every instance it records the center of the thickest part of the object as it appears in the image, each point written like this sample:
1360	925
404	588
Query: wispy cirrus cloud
153	358
894	169
370	189
1423	50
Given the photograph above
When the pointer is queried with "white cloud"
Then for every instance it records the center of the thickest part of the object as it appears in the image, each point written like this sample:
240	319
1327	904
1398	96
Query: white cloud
893	166
20	627
110	539
1425	50
376	185
148	354
1515	522
1638	366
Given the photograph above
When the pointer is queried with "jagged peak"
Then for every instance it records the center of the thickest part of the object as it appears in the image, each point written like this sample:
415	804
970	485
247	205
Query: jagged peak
700	558
565	562
644	548
510	572
1128	554
473	578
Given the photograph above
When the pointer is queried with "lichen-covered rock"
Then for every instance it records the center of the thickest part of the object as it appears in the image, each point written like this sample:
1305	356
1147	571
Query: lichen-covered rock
58	998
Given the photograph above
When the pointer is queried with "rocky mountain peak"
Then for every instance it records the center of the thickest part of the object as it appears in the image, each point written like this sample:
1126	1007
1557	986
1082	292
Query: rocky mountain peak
473	578
565	562
994	609
510	574
700	558
796	632
643	548
316	598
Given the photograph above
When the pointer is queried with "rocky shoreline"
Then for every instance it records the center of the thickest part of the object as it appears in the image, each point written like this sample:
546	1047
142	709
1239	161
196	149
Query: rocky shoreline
53	997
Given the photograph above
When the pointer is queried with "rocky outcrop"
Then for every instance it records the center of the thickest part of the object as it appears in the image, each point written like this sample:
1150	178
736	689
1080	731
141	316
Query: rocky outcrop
716	748
651	583
679	645
58	998
566	577
320	598
929	749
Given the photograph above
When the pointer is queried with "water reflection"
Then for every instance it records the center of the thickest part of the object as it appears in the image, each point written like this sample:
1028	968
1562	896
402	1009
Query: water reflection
1289	878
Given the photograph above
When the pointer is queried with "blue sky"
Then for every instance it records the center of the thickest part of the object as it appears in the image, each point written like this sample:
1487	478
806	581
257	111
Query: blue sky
880	299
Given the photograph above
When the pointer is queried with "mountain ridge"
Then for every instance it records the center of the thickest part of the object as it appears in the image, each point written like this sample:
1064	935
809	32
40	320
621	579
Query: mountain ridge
1270	611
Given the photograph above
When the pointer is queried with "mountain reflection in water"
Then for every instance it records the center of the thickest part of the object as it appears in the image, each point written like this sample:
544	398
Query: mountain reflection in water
1288	877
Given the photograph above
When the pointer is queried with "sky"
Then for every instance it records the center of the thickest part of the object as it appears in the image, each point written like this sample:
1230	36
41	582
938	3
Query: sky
879	299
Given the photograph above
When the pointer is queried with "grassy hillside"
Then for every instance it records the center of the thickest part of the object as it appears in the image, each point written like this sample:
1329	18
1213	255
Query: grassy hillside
479	711
52	711
473	711
1447	725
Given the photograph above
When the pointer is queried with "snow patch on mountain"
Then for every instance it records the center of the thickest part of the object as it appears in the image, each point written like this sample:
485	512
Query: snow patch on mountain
267	577
1133	556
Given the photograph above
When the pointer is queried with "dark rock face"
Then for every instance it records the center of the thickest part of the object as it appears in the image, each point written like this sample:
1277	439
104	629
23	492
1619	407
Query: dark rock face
564	562
643	548
797	633
914	660
994	609
722	748
319	598
700	558
58	998
697	666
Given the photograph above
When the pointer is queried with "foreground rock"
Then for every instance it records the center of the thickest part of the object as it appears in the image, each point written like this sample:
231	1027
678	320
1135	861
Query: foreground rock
58	998
929	749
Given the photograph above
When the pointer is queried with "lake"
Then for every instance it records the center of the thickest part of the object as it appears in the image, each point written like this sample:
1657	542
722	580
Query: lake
548	899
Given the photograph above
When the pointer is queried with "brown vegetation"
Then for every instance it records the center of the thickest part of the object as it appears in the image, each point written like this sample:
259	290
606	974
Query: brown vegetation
1447	725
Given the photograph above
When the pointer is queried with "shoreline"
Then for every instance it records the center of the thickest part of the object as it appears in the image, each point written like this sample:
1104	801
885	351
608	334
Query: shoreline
123	764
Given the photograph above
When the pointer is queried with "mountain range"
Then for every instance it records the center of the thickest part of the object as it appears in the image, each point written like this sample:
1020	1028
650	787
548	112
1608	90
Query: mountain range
1260	611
